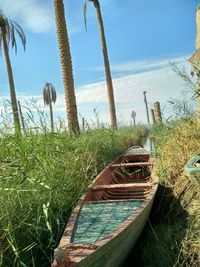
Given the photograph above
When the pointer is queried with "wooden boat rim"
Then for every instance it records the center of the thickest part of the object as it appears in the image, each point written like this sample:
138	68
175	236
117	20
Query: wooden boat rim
68	232
117	186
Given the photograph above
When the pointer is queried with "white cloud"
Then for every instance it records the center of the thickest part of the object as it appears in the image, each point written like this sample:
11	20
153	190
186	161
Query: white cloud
161	84
34	15
37	16
141	66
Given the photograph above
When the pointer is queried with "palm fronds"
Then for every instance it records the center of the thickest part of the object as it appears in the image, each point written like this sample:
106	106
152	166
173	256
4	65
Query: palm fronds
49	94
85	12
11	28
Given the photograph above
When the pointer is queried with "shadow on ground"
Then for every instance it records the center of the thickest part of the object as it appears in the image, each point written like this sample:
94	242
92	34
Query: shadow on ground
159	244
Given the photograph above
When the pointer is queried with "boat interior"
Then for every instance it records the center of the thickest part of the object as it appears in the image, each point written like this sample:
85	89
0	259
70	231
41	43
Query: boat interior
116	194
129	177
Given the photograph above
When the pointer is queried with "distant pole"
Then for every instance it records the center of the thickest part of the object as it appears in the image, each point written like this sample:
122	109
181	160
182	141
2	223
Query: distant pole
146	105
158	116
133	115
21	115
153	116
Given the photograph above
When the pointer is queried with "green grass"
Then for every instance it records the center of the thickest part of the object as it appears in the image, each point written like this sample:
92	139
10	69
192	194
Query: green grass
41	178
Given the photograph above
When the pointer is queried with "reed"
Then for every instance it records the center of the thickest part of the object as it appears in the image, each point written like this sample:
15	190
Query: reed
42	175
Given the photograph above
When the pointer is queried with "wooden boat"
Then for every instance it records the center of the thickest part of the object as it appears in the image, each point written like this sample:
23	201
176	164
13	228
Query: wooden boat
192	169
109	218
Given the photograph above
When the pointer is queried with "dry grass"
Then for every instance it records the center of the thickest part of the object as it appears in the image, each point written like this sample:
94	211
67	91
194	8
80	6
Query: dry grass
175	146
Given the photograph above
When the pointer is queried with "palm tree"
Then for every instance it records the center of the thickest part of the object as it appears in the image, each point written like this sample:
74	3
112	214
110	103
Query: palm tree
113	119
158	115
8	28
133	115
21	116
66	65
49	96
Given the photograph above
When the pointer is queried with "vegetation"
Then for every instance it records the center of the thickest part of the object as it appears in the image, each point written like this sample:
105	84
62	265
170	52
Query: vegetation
66	64
8	28
175	146
111	100
42	177
172	237
43	172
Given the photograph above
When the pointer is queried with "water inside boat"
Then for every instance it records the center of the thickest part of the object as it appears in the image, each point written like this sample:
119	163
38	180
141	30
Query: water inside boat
98	219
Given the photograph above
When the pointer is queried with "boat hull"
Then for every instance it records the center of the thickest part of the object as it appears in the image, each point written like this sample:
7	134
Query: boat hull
87	240
115	252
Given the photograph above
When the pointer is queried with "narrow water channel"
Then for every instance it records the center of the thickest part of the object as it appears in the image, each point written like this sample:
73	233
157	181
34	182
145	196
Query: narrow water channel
149	145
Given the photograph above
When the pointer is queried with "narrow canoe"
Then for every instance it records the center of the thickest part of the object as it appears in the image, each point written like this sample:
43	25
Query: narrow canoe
192	169
110	216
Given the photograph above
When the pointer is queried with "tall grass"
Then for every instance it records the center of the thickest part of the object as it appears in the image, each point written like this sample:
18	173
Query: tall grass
173	235
42	175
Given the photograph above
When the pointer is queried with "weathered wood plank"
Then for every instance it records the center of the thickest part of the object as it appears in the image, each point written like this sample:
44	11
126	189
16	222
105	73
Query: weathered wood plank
135	164
121	186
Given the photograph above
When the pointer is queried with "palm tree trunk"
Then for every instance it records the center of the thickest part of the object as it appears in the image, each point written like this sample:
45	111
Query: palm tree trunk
11	84
158	116
113	119
134	121
51	115
21	116
66	65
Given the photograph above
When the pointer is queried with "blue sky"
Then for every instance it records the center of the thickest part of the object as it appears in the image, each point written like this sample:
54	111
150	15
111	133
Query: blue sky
142	37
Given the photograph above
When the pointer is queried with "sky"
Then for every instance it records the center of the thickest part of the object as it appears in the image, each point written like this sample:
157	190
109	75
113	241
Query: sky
143	39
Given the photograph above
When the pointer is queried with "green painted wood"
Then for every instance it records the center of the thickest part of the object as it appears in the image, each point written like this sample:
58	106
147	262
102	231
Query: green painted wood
114	253
192	168
136	151
96	220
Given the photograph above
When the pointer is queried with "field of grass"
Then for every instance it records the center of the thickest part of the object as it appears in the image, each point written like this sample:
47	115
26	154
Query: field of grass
41	179
172	236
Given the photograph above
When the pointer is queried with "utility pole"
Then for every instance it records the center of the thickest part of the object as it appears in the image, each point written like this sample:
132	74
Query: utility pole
146	105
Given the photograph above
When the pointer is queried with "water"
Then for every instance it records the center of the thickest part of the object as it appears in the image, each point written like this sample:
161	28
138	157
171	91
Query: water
149	146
